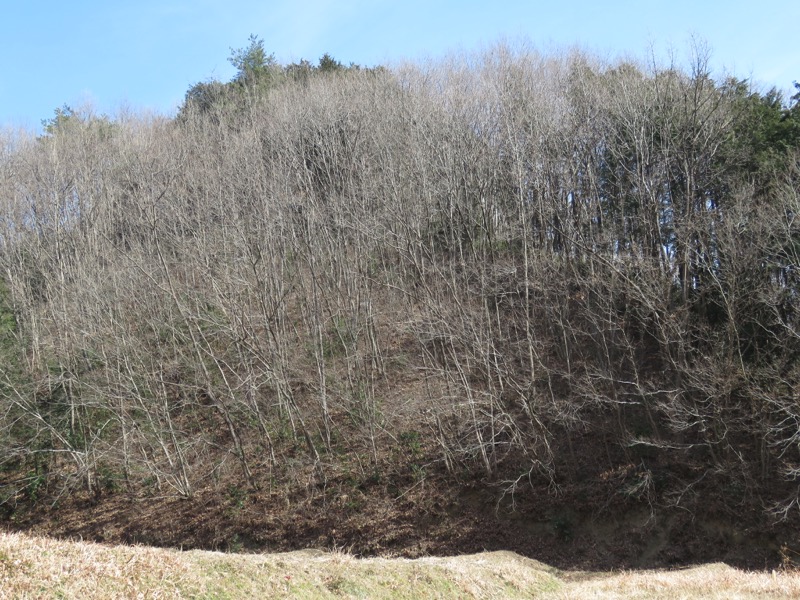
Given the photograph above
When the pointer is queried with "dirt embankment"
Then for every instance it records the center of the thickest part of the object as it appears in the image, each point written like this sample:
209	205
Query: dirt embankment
570	528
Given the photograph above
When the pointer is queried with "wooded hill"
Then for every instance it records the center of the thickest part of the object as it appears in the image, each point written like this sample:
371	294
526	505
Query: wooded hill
519	273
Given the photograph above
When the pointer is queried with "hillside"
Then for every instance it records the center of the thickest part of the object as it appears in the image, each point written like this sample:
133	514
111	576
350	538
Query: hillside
507	301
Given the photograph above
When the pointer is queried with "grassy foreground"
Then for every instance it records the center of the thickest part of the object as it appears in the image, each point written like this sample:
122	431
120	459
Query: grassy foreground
45	568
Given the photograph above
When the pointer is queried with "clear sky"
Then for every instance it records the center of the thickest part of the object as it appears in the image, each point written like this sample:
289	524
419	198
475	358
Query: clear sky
145	54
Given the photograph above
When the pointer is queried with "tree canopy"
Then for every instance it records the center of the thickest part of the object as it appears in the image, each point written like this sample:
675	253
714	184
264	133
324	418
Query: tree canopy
257	72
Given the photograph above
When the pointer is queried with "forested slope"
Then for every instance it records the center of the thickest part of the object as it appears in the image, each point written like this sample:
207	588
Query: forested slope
540	280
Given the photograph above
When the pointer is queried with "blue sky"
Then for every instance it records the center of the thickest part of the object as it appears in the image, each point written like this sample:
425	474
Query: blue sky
145	54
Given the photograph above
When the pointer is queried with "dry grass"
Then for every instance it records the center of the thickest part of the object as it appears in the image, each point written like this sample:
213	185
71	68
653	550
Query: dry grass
45	568
714	581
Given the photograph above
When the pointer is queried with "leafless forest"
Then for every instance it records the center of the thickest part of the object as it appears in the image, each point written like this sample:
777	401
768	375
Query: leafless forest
530	271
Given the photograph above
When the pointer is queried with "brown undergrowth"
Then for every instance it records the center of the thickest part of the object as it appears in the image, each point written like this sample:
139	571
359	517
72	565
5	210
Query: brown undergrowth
588	524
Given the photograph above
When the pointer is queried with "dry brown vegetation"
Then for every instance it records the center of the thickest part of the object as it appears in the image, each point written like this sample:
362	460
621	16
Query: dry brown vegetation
44	568
500	301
